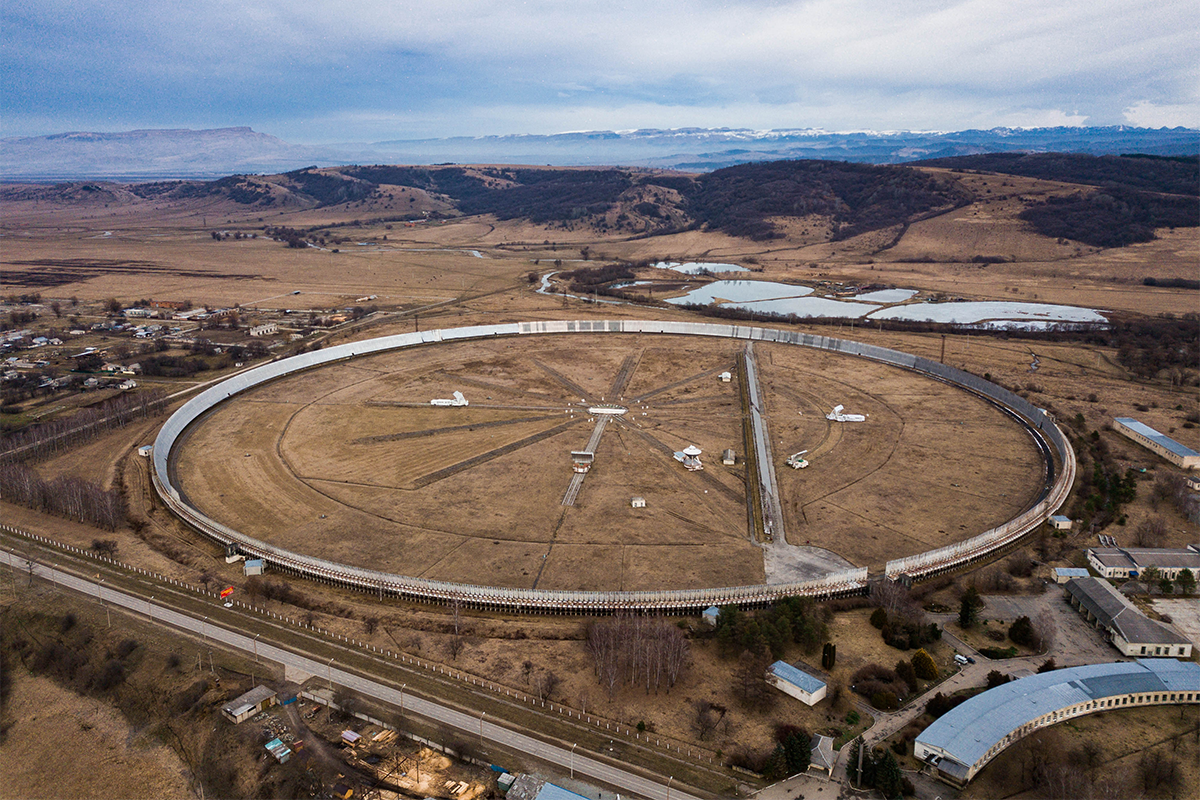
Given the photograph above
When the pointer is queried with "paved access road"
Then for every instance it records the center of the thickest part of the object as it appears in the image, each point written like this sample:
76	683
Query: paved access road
469	725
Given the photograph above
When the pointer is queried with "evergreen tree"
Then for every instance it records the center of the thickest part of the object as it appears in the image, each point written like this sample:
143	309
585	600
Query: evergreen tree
879	618
923	665
1186	581
888	778
968	610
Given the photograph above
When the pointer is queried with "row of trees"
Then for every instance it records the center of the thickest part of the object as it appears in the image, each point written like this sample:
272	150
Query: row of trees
56	436
880	770
791	621
70	497
792	753
899	617
636	650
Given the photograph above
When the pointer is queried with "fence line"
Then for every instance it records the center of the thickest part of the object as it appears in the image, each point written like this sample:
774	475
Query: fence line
434	668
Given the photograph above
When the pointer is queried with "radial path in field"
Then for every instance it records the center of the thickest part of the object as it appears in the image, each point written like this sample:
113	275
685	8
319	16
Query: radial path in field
625	374
395	437
684	382
562	380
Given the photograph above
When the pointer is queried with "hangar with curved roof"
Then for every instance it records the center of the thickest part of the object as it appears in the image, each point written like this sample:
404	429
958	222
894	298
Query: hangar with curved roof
967	737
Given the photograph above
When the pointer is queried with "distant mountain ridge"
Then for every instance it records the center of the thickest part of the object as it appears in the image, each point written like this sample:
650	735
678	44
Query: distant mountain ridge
155	154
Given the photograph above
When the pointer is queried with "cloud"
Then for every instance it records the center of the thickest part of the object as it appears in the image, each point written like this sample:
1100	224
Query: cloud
475	67
1144	114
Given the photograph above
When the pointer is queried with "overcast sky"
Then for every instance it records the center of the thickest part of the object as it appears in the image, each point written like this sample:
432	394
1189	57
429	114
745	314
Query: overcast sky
314	71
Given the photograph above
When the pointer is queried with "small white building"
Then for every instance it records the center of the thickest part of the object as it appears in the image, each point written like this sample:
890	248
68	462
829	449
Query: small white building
808	689
726	377
638	502
1064	574
252	566
822	756
1061	523
728	458
709	616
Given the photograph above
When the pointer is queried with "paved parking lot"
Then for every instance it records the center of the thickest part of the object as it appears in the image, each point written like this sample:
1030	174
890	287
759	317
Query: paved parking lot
1076	642
1184	614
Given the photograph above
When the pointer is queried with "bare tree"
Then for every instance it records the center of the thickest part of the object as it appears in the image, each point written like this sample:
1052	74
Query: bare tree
636	650
897	601
1045	630
1158	771
545	683
454	647
105	547
1150	533
708	717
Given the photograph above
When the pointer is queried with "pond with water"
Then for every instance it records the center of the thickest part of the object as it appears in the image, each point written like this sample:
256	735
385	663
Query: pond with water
698	267
971	313
740	292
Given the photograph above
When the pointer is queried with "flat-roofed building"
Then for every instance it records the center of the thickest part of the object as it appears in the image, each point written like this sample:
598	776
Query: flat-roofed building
1178	454
249	704
1131	562
1128	629
963	740
1064	574
808	689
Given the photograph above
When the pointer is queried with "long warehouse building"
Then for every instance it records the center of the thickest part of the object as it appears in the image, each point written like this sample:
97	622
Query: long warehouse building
967	737
1178	454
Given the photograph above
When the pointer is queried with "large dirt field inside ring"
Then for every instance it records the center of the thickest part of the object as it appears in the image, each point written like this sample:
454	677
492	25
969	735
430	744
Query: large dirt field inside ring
350	463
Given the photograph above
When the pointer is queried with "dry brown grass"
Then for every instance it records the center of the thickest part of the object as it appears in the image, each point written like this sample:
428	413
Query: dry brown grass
108	757
326	451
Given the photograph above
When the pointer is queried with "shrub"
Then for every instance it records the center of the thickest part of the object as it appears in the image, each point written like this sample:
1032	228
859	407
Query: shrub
885	701
1021	632
906	672
879	618
924	666
997	678
999	652
939	704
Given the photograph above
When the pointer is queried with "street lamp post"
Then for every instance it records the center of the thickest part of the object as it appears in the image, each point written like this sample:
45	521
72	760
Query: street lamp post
329	672
669	786
256	647
402	697
100	597
203	636
573	760
482	714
